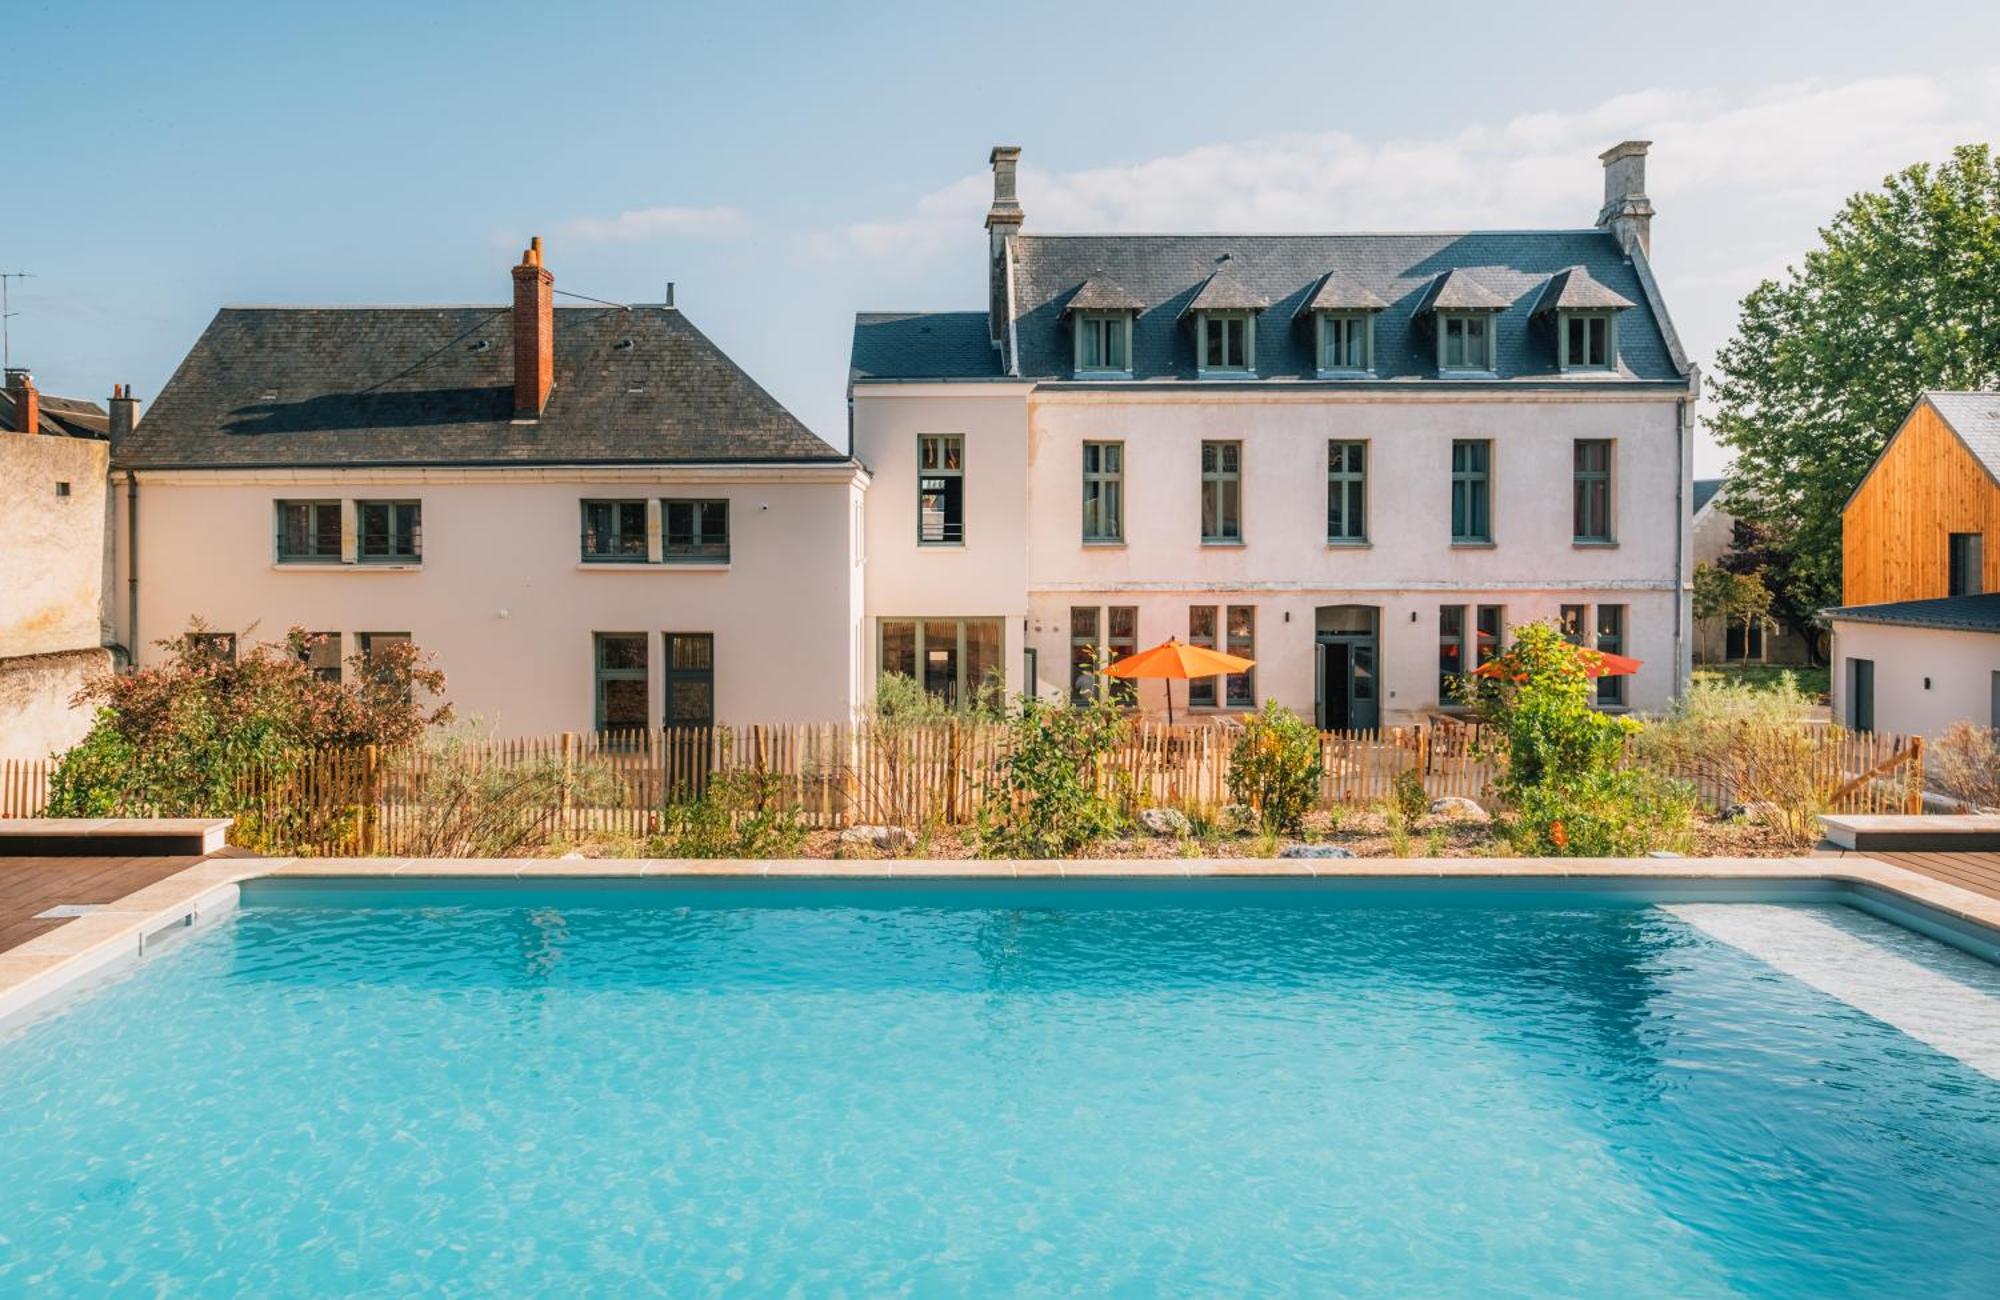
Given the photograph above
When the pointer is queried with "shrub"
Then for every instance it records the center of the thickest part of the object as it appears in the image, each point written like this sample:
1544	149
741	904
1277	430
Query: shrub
1564	784
1965	764
1753	744
740	814
1275	769
468	807
1050	802
1406	788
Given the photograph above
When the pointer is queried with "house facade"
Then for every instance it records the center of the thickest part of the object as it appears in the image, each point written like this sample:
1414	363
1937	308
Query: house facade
1916	642
589	514
1356	459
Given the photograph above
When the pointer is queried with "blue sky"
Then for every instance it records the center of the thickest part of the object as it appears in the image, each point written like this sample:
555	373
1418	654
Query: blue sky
787	166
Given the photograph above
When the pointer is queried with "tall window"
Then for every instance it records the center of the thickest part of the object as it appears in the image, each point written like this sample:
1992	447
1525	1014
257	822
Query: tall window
1227	344
1346	492
1221	491
308	532
690	679
1103	491
1085	657
321	653
621	681
1471	491
1465	341
1611	640
1103	342
694	532
1346	344
391	531
1121	641
1966	555
614	530
954	659
1575	620
1489	627
1592	492
941	489
1586	342
1201	632
1451	651
1240	689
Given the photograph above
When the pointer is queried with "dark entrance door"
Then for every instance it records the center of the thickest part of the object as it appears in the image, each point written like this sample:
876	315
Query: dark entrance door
1347	686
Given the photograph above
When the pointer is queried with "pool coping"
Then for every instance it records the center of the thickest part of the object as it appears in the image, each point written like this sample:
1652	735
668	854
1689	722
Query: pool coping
44	967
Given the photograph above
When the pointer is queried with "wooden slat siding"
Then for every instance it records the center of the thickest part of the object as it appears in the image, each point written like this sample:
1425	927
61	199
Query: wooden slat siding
1925	487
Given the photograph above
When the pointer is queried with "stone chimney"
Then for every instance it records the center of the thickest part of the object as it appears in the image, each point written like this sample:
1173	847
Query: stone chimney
124	410
534	333
1004	218
27	402
1627	212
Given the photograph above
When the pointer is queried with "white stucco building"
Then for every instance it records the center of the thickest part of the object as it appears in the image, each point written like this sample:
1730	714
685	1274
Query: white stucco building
589	515
1357	459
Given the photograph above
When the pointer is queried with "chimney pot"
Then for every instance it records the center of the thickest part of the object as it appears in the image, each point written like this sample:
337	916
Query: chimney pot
27	402
534	334
1627	212
124	413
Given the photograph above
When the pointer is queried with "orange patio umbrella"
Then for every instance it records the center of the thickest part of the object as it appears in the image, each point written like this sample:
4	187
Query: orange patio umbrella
1596	663
1174	660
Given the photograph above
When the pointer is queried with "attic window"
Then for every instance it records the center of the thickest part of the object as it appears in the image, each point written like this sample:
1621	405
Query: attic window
1346	342
1104	342
1585	340
1226	342
1466	342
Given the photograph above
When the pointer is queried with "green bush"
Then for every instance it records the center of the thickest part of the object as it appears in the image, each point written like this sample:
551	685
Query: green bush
1564	785
1407	789
741	814
1754	743
1275	769
1050	801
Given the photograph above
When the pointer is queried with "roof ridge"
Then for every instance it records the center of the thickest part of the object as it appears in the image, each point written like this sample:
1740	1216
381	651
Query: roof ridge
1309	234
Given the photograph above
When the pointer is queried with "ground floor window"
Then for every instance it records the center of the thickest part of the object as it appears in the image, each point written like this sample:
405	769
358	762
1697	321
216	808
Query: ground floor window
689	679
1611	640
1861	694
1740	642
322	655
1451	651
621	681
1099	638
1240	689
1201	632
956	659
1575	620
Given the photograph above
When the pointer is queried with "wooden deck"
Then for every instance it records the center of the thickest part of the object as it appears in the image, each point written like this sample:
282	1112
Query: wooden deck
1978	872
30	885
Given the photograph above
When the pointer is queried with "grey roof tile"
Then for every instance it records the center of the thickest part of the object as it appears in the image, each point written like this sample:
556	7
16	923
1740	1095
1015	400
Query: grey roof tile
1341	293
1227	290
1457	290
1101	293
320	386
1975	417
1575	289
923	345
1956	613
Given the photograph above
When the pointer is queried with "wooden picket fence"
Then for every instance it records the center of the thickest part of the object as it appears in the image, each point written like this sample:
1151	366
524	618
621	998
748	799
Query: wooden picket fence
367	801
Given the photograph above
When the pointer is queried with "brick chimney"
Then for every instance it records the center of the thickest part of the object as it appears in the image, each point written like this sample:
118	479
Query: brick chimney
124	410
1627	212
534	333
1004	218
27	402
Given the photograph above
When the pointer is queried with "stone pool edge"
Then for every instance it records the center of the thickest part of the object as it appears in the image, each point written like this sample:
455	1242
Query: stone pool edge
47	965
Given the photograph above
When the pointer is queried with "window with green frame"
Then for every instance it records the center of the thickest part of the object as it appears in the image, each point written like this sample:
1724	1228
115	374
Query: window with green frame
1221	492
308	532
1103	491
1104	342
1346	342
1471	490
1592	490
1466	341
694	532
392	532
614	531
1586	340
620	661
954	659
1346	492
1226	342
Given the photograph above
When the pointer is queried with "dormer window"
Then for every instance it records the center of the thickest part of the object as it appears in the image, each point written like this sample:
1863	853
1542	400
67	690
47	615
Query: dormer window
1346	343
1584	340
1226	342
1465	342
1582	316
1104	343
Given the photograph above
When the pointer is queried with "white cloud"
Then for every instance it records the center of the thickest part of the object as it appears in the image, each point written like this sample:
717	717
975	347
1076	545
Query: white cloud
641	224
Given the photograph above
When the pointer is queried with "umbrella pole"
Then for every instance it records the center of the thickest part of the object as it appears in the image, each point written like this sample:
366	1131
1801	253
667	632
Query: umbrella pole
1170	701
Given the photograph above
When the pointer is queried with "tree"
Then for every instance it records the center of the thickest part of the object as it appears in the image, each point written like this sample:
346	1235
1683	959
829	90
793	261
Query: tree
1712	591
1754	550
1902	295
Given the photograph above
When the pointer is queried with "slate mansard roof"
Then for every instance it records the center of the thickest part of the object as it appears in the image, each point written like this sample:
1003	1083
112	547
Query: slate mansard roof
384	386
1167	273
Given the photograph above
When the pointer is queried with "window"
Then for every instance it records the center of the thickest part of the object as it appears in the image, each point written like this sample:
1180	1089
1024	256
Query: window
1965	559
1741	642
62	487
955	659
1346	343
374	643
1103	342
1465	341
694	532
1861	694
621	681
1222	492
1574	619
1201	632
1121	641
1103	491
1451	650
211	647
1227	343
1099	638
940	489
1611	640
1240	689
391	531
689	679
321	653
1584	341
1085	659
1489	627
1346	492
614	531
1592	490
308	532
1471	491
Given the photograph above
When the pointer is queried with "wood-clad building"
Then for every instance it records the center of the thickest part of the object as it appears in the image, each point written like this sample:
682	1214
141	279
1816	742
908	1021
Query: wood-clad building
1928	510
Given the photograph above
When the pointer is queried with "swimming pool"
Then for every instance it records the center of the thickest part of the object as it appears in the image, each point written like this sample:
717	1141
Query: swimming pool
976	1088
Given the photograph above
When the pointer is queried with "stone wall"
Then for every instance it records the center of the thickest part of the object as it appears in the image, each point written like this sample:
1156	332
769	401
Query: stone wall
36	716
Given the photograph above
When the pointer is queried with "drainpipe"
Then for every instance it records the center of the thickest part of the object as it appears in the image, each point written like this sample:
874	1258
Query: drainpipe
131	569
1683	433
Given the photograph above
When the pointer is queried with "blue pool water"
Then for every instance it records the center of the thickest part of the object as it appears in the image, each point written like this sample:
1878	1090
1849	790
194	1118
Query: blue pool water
929	1090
